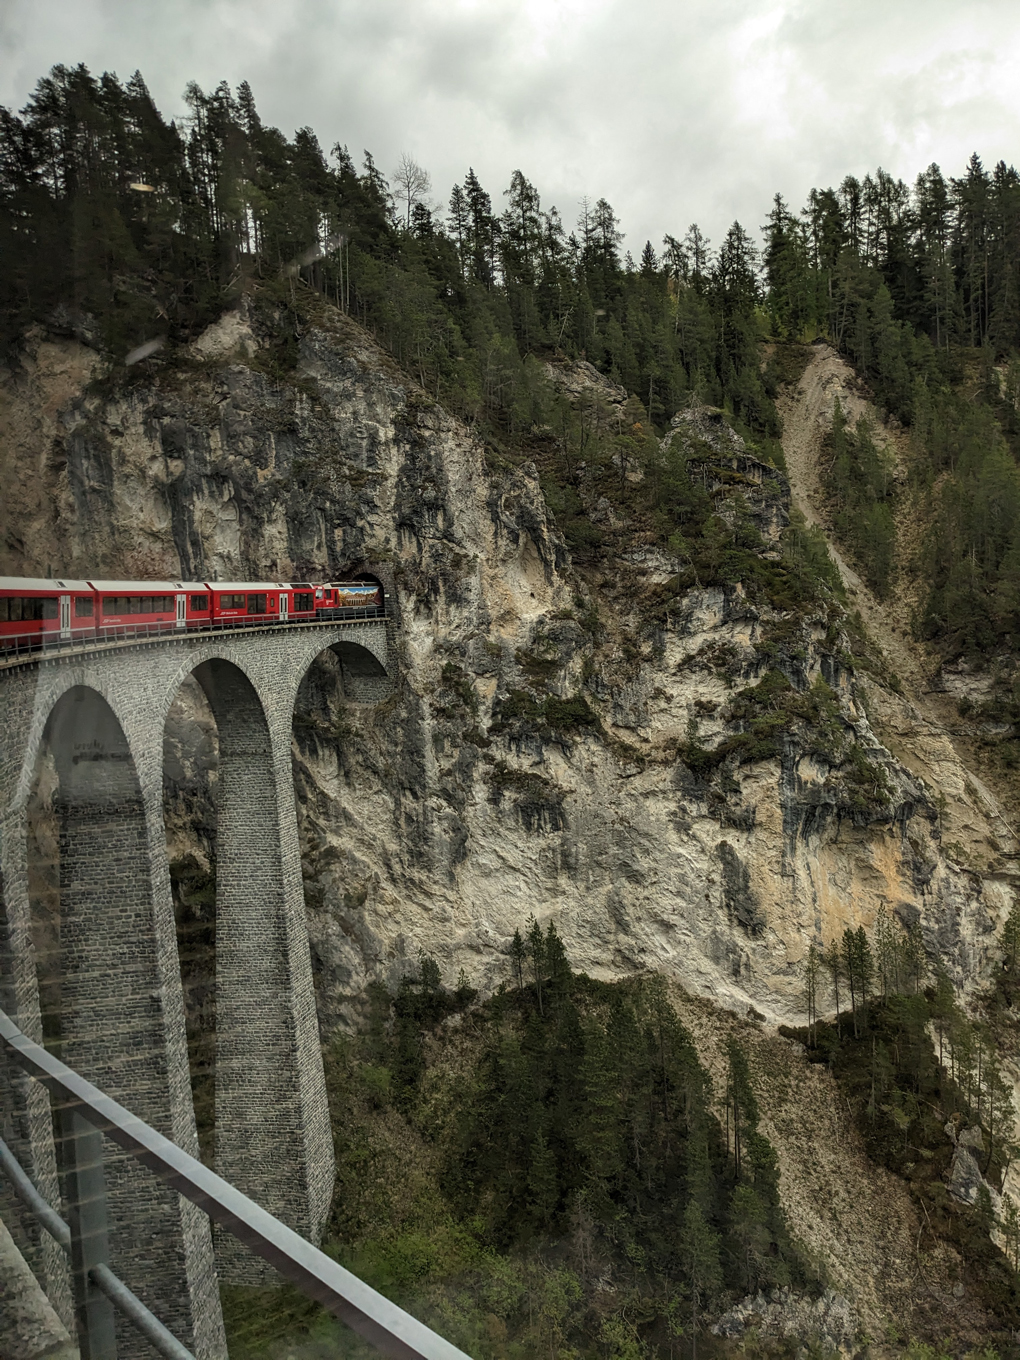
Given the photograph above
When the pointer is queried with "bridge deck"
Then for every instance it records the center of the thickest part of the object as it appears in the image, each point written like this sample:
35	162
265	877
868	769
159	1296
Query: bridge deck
158	635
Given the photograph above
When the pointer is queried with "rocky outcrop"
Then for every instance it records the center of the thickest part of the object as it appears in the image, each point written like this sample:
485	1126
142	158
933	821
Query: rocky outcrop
559	744
829	1321
965	1179
716	456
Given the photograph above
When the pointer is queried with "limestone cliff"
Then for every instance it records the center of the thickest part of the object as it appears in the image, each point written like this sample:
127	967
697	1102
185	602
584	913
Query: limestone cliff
529	760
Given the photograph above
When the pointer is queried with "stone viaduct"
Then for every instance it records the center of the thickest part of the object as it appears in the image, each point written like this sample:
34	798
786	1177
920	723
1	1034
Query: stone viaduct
101	714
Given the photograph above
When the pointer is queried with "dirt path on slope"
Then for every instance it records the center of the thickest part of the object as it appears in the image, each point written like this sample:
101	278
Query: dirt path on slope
916	727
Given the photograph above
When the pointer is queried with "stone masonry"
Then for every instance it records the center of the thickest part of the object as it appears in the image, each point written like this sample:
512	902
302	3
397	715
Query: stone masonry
101	715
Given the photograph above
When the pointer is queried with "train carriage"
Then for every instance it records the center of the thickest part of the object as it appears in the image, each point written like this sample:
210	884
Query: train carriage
302	597
346	596
34	611
248	602
141	607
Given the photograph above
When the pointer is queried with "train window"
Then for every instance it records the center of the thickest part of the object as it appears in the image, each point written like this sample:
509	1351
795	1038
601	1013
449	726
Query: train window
199	604
231	601
303	601
83	607
256	604
137	604
24	609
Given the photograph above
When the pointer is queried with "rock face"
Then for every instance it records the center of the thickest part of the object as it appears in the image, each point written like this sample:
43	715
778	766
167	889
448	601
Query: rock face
528	760
716	455
830	1321
965	1179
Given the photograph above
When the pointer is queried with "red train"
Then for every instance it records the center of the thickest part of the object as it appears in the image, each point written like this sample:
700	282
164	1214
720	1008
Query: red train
36	613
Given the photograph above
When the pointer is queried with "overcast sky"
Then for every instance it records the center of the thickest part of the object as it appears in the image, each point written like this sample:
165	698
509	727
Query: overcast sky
675	110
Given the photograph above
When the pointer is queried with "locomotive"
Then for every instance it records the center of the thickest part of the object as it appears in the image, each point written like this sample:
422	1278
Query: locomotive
37	613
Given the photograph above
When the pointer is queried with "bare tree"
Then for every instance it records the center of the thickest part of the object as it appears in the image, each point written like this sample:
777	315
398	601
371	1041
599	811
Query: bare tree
413	183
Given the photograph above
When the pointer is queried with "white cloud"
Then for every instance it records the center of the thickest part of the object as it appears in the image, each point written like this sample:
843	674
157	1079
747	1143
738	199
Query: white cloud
675	112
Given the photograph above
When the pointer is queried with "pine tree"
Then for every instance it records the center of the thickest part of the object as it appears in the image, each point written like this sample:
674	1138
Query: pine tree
481	231
1009	1225
749	1235
699	1248
518	954
459	224
741	1102
835	966
556	962
542	1184
865	967
537	951
649	261
813	964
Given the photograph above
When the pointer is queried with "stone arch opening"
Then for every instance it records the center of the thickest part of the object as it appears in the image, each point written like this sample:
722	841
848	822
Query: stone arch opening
363	677
94	901
190	771
237	890
90	871
334	715
219	810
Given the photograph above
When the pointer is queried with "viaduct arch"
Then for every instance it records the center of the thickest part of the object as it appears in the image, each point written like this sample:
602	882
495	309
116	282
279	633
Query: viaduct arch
101	715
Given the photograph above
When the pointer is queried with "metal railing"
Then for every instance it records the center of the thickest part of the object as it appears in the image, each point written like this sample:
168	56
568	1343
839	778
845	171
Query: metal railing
15	647
87	1114
99	1273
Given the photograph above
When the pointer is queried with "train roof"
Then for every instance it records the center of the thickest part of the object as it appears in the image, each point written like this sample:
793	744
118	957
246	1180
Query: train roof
40	583
145	587
246	585
148	587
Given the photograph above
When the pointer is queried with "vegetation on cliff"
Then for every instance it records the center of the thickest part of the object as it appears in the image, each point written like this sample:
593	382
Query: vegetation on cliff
916	286
127	228
927	1087
548	1173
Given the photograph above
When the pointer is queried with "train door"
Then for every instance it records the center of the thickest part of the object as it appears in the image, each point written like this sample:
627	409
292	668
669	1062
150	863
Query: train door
65	616
182	611
284	603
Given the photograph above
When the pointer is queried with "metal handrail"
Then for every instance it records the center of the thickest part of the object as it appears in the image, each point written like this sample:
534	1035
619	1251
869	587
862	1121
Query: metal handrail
160	1337
30	1196
21	648
388	1327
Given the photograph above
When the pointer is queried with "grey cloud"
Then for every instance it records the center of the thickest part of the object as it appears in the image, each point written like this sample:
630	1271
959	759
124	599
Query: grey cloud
674	112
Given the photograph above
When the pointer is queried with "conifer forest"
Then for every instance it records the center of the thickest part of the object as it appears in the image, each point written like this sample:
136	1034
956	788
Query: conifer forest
552	1167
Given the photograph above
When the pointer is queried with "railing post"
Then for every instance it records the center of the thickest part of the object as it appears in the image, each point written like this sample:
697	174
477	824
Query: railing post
85	1188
